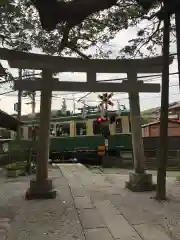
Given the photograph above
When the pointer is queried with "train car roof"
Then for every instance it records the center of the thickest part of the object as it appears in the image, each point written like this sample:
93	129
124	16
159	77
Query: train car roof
77	117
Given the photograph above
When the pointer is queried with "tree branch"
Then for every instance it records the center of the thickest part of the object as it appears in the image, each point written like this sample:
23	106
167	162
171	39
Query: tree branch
149	38
52	12
74	49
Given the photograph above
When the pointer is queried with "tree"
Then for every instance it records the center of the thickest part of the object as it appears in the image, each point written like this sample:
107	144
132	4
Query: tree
164	15
163	145
20	28
150	37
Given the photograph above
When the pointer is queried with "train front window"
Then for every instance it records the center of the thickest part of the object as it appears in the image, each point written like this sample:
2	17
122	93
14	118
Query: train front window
118	126
96	128
81	128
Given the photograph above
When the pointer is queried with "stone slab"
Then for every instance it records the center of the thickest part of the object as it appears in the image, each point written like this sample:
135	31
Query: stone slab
98	234
150	232
83	202
78	192
106	208
116	223
91	218
120	228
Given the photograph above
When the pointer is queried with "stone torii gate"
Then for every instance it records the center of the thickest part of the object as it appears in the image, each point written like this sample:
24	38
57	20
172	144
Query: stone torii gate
42	187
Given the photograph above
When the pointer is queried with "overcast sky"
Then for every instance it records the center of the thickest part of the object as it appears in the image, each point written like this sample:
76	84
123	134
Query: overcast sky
147	100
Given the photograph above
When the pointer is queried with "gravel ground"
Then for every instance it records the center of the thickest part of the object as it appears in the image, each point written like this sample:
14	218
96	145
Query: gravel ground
36	220
59	219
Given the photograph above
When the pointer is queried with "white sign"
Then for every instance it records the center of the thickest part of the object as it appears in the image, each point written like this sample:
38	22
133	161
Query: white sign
16	107
5	147
106	142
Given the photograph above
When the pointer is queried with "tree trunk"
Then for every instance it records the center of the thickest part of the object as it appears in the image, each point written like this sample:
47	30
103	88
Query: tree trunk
163	146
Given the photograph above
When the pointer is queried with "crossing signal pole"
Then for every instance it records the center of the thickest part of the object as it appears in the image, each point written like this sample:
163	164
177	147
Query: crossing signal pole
105	102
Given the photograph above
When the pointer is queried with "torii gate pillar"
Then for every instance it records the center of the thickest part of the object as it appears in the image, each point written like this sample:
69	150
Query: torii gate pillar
139	180
42	187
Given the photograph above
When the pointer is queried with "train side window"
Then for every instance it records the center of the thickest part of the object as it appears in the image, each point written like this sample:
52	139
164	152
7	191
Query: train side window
4	133
96	128
66	129
52	130
119	126
81	128
58	130
63	130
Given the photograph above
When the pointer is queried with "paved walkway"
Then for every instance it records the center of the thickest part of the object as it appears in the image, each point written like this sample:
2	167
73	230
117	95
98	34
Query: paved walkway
91	205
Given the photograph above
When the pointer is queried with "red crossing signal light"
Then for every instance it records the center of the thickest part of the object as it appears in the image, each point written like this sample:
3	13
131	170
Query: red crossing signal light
100	119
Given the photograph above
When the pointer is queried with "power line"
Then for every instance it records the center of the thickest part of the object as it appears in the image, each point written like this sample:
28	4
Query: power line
157	76
140	77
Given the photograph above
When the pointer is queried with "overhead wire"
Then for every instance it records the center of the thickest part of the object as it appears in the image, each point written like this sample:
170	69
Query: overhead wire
151	77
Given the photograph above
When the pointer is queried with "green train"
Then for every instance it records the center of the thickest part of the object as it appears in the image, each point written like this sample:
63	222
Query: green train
73	136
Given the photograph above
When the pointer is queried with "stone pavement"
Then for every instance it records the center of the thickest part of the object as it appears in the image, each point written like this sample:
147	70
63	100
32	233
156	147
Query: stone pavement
90	205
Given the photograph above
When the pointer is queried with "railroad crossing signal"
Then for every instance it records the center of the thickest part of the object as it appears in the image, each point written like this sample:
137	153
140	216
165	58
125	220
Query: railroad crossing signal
105	98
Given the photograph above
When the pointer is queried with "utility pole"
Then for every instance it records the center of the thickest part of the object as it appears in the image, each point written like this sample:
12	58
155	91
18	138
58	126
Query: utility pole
74	105
33	97
19	106
177	18
33	102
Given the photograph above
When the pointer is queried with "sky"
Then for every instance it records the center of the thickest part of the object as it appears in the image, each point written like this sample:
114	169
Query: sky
147	100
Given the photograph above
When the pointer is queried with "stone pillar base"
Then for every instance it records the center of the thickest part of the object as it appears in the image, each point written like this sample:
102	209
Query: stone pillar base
140	182
40	190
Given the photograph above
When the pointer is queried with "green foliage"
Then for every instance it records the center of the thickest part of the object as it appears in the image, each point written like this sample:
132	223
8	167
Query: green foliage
150	37
13	32
16	166
22	166
20	28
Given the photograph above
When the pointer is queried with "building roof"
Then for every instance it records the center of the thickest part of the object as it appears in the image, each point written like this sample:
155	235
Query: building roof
158	122
172	105
176	105
8	122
